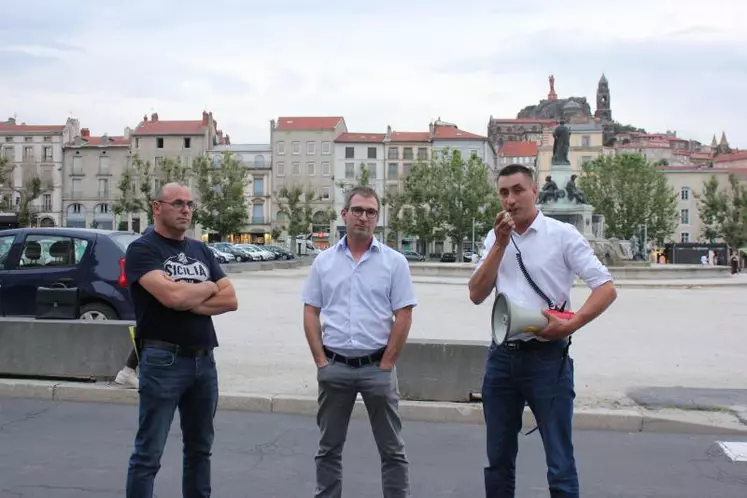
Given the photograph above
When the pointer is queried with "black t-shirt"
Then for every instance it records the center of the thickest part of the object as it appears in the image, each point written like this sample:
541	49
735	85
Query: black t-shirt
183	260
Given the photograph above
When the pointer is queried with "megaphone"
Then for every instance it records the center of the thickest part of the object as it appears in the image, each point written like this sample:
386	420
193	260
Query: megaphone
510	320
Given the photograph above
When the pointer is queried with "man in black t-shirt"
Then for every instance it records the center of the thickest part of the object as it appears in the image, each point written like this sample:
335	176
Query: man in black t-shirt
176	286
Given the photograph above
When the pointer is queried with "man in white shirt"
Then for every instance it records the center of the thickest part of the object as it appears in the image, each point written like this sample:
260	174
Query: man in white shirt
358	303
534	369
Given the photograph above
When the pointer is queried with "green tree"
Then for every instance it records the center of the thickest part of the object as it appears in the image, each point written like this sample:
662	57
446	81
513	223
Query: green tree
465	191
362	179
32	189
295	203
222	206
422	215
129	201
724	212
168	170
630	192
395	222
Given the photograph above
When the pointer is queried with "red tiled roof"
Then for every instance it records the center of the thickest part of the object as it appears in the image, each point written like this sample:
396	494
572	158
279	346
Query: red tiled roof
24	128
410	136
361	137
170	128
453	133
518	149
728	158
525	120
308	123
98	141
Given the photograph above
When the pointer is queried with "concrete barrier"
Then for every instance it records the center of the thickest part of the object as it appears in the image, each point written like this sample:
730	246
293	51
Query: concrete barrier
438	370
73	349
632	272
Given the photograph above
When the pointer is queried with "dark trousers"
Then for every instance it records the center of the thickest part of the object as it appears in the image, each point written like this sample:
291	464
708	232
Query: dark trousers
168	382
339	384
513	377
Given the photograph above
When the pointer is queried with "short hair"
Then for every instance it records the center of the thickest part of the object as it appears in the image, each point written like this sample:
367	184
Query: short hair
159	194
363	191
512	169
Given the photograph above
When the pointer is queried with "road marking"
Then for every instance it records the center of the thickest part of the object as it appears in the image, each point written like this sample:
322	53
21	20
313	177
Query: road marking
736	451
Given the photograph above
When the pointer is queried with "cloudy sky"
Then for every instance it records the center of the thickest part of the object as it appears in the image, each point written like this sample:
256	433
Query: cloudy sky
671	64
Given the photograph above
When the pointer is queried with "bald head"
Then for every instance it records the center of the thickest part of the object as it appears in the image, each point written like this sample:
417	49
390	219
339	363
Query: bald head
172	209
169	190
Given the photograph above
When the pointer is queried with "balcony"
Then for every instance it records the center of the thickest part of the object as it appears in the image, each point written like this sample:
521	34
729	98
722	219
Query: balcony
259	220
257	164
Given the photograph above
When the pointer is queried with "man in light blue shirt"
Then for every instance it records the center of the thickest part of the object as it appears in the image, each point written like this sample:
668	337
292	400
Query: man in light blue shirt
358	302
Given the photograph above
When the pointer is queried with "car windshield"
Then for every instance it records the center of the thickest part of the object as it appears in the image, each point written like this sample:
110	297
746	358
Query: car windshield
123	240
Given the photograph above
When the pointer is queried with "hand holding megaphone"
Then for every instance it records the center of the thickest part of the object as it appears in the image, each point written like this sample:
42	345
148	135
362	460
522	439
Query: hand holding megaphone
510	320
502	227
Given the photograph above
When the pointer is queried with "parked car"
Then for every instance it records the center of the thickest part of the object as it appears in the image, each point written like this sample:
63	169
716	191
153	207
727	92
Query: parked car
92	260
222	257
280	252
239	254
413	256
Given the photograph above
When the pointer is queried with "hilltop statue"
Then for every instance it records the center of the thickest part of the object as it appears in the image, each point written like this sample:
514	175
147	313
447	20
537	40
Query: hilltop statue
562	136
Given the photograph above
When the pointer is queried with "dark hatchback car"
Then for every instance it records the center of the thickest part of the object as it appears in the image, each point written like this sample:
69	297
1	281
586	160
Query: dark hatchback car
92	260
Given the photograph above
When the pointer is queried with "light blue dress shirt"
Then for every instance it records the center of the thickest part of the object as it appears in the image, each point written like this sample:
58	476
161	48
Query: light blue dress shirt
358	300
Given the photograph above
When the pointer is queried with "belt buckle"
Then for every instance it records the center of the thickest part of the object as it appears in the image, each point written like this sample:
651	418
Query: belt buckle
512	345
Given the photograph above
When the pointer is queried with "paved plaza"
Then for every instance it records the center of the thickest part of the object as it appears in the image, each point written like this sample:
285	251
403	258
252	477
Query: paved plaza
692	338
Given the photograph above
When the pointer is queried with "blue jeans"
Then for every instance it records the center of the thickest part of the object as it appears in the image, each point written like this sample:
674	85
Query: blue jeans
168	382
511	378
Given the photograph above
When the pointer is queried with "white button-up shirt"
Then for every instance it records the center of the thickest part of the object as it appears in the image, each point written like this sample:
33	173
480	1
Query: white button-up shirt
554	253
358	300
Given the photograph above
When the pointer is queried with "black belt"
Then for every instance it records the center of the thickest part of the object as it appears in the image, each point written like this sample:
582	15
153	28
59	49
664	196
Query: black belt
531	344
174	348
356	362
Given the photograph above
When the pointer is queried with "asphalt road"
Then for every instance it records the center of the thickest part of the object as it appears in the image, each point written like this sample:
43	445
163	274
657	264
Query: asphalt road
66	450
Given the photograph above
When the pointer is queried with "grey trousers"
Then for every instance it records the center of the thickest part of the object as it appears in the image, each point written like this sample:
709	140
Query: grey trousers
339	385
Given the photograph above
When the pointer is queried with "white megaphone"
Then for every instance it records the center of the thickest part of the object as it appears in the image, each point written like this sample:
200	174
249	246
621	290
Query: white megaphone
510	320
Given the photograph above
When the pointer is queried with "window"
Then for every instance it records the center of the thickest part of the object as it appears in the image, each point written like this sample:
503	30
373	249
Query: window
104	162
159	142
296	148
104	187
407	153
258	214
684	237
281	148
6	242
47	153
51	251
349	170
296	168
77	188
310	169
310	148
259	186
371	167
28	153
187	142
422	153
325	193
326	148
325	169
47	203
392	153
77	165
392	171
685	216
372	152
349	152
281	169
407	167
585	140
685	193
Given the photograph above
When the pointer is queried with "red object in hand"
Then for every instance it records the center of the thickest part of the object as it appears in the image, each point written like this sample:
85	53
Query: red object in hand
563	315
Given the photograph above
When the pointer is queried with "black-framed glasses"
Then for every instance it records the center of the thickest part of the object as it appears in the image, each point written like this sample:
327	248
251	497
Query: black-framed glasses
180	204
358	212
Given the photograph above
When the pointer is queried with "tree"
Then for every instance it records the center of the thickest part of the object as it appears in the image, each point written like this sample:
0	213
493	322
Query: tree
32	189
630	192
296	204
363	179
724	212
129	202
221	186
424	218
465	190
168	170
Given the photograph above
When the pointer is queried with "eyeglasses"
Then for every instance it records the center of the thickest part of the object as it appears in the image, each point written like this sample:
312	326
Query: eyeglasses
358	212
180	204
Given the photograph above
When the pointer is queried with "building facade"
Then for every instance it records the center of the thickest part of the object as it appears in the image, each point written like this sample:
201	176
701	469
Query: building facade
353	152
302	149
34	151
258	159
448	136
92	170
586	143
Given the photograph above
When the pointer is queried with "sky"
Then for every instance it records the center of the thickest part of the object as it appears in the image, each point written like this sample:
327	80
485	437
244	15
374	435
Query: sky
671	64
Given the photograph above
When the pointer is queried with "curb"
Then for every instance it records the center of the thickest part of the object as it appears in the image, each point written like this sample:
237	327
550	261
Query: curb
600	419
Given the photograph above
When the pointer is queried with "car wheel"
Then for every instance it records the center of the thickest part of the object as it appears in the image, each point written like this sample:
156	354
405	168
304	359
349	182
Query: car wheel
97	311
